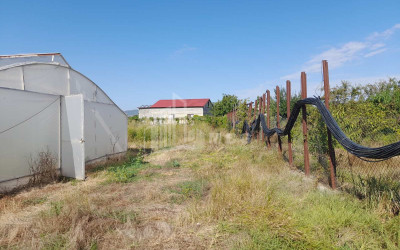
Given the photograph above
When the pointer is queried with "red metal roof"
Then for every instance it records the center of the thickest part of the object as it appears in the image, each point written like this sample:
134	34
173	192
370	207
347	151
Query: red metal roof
180	103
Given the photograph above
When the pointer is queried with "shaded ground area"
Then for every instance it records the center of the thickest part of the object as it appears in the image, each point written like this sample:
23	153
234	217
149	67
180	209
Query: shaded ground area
219	195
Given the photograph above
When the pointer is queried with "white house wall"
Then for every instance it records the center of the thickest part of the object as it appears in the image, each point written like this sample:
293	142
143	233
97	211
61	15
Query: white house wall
166	112
30	124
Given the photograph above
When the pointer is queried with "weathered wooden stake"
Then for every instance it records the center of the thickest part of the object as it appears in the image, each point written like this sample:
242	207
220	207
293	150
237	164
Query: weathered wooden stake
259	112
332	158
263	112
288	97
255	108
268	114
304	113
255	115
278	98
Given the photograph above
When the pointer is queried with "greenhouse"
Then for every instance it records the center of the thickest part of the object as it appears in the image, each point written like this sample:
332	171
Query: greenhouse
46	106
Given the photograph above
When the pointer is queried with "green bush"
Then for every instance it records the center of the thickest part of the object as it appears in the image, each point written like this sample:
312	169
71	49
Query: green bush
213	121
126	172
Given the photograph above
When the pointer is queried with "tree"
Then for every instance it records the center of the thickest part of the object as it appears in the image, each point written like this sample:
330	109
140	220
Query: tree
283	104
226	105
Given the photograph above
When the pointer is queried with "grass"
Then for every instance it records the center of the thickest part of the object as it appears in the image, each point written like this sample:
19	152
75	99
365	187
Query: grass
152	134
126	172
174	163
188	190
34	201
205	194
268	206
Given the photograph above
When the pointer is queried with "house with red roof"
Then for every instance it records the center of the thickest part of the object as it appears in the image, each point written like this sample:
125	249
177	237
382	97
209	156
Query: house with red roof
176	108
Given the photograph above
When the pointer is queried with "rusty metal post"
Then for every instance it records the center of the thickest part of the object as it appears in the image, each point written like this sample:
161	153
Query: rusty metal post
233	117
268	114
260	132
255	108
255	115
332	158
278	99
263	112
288	97
305	135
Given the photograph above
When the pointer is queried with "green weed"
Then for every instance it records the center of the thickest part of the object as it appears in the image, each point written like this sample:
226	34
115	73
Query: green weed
34	201
56	207
188	190
174	163
126	172
122	216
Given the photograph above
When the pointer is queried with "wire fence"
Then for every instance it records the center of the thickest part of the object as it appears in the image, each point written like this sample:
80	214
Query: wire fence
334	162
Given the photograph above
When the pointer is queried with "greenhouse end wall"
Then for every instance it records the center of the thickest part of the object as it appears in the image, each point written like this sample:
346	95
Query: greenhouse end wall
104	124
29	125
105	130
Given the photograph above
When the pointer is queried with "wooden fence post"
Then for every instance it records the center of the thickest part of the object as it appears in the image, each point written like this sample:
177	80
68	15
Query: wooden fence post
259	112
332	158
278	98
255	108
305	136
255	115
263	112
288	97
268	114
234	118
249	115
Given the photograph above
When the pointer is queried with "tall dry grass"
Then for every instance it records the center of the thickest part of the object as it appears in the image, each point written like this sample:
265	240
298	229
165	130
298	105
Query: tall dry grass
210	193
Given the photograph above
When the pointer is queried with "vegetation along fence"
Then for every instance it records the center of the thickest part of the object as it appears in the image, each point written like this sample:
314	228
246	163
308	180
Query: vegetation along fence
318	142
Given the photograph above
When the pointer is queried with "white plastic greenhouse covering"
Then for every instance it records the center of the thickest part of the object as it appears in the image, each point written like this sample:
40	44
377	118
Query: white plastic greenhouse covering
45	105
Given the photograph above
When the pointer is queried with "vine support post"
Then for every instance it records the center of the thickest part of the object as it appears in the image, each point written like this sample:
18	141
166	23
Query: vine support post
268	114
278	99
331	153
255	116
260	135
288	97
263	112
255	108
304	122
234	117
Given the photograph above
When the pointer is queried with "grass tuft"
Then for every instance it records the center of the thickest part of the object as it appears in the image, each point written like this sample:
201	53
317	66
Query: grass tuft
188	190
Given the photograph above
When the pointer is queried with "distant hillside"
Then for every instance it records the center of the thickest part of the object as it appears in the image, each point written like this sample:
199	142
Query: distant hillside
131	112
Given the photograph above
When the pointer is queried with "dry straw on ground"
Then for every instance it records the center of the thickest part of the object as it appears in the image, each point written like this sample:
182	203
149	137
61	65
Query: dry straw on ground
210	194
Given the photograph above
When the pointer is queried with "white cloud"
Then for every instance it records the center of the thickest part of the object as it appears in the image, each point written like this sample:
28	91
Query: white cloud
375	52
337	56
366	80
252	93
350	51
183	50
377	46
385	34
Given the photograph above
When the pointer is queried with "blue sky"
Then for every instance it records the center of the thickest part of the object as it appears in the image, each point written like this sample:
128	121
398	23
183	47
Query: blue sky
142	51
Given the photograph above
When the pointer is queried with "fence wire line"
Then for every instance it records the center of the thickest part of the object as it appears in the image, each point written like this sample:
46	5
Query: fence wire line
361	152
27	119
